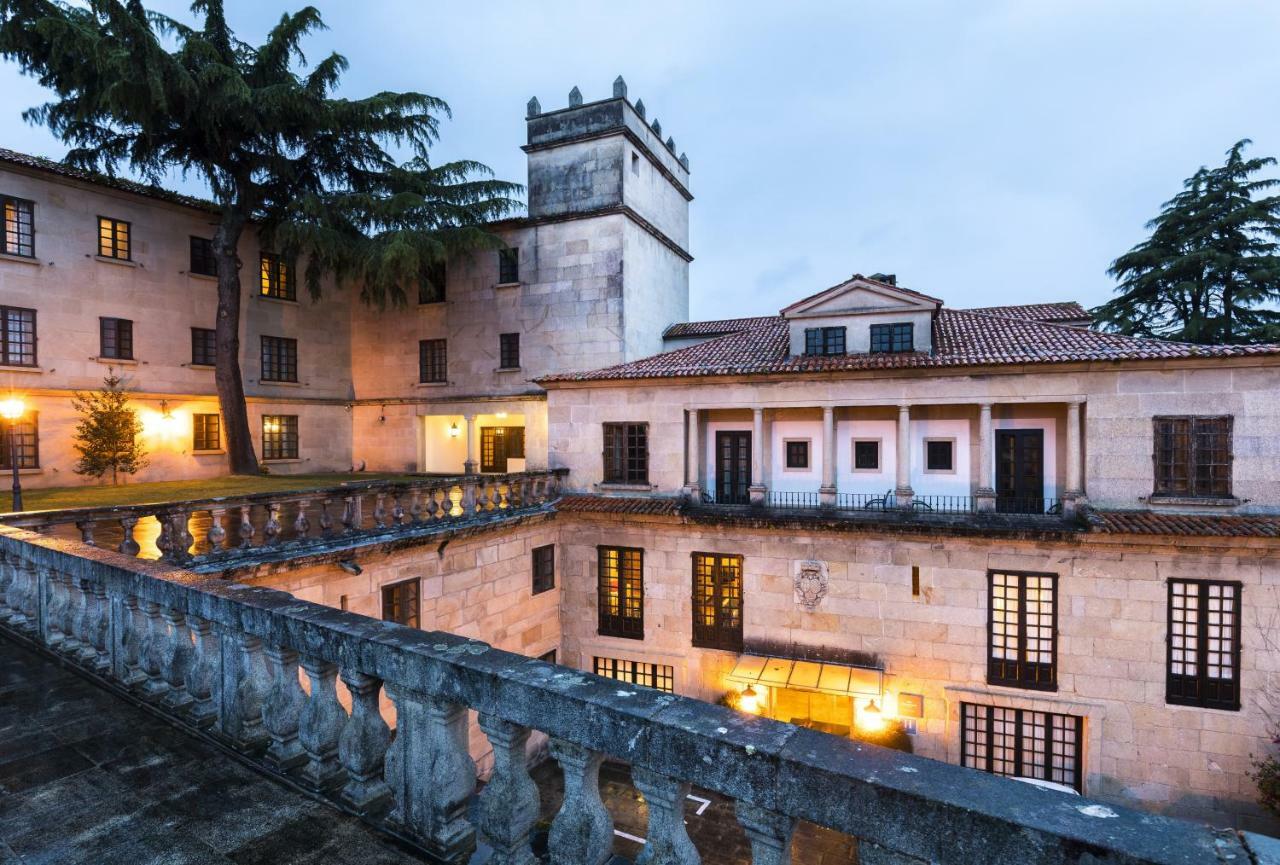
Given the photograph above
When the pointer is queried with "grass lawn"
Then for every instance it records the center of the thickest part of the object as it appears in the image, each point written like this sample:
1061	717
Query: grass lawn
58	498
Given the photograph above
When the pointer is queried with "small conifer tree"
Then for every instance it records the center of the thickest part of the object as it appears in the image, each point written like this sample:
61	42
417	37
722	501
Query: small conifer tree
107	435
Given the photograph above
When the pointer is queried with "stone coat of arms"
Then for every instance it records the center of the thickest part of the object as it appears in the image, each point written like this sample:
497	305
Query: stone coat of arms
811	582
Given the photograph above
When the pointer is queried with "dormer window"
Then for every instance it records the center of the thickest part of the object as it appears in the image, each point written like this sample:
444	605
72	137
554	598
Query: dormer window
824	340
892	338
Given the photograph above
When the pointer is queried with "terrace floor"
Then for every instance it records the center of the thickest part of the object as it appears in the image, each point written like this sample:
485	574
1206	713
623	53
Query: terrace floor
87	777
163	492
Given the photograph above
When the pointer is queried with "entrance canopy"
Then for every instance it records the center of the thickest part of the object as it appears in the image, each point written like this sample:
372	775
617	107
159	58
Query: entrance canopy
821	676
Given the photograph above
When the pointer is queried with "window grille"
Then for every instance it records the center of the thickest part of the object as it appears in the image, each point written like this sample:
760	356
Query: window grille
116	338
433	361
279	359
892	338
280	437
206	432
400	603
204	346
659	676
1204	644
19	226
717	601
113	238
203	261
626	453
621	592
276	277
17	336
824	340
1192	456
544	568
1022	630
1020	743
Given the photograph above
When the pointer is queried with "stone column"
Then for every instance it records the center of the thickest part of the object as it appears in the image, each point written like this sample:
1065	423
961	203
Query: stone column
469	467
692	457
984	498
1074	492
903	492
759	489
827	492
769	832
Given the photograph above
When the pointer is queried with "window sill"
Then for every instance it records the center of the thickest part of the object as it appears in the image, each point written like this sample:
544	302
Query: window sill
507	369
797	470
201	366
633	488
629	637
204	277
117	361
123	262
20	259
20	368
292	301
431	384
498	285
281	462
430	303
21	472
196	453
271	383
1196	501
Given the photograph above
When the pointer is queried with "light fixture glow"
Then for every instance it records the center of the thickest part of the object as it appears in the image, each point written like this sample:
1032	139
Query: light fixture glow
749	701
453	430
12	408
501	415
871	718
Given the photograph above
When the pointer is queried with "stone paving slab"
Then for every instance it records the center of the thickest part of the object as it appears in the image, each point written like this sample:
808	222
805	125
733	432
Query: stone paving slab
86	777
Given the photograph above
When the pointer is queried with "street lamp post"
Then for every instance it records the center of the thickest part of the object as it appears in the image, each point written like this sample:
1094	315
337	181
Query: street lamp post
12	410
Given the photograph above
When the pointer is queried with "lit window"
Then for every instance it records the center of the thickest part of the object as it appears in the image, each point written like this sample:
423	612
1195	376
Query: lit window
400	603
113	238
27	435
717	602
280	437
1020	743
276	278
206	432
19	226
621	592
658	676
1023	622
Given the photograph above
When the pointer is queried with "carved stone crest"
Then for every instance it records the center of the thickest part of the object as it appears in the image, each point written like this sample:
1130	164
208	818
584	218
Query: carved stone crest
811	582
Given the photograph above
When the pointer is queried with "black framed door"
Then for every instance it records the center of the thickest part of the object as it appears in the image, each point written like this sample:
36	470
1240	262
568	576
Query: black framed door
498	444
1020	471
733	467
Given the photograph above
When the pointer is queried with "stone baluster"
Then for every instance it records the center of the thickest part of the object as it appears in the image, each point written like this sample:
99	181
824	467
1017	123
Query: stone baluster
128	545
320	726
495	496
245	723
133	631
246	526
397	509
55	610
272	530
151	651
282	708
102	634
502	495
302	523
415	506
351	513
164	541
769	832
86	626
326	518
380	510
468	503
6	583
509	801
86	528
65	616
202	673
182	532
33	597
363	745
582	832
433	775
667	840
433	507
217	534
176	659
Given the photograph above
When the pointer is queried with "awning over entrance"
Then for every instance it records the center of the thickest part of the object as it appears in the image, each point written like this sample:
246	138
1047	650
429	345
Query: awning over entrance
822	676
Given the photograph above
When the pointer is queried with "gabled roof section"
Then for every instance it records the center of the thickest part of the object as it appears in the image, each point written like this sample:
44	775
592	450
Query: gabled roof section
960	338
49	166
860	294
719	327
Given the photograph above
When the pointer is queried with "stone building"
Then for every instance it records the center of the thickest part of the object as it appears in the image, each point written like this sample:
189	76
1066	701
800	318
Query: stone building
1043	551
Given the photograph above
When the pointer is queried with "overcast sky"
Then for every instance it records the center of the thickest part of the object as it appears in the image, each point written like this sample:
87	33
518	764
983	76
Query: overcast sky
986	152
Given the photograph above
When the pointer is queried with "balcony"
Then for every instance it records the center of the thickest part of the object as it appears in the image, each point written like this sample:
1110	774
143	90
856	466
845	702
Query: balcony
257	671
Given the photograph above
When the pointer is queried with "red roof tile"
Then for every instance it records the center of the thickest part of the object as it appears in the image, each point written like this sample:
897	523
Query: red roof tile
719	327
960	338
1064	311
588	504
50	166
1201	525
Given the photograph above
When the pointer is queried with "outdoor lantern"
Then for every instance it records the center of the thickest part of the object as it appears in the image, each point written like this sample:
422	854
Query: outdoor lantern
12	409
453	430
871	718
750	700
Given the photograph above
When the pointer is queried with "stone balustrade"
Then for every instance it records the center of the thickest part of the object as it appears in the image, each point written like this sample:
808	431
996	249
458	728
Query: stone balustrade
258	670
223	528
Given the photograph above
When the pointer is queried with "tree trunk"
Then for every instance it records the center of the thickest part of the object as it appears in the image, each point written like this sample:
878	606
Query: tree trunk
235	412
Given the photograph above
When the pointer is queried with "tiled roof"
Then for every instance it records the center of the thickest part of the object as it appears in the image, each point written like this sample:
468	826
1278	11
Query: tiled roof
960	338
1199	525
1064	311
39	163
719	327
586	504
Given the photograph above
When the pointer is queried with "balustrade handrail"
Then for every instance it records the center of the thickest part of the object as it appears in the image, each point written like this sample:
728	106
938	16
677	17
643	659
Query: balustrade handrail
227	656
29	519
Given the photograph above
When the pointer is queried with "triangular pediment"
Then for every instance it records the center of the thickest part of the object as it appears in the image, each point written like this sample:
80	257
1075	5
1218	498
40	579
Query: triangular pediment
861	295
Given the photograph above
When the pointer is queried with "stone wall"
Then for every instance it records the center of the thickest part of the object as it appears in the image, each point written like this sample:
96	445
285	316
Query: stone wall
1111	620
